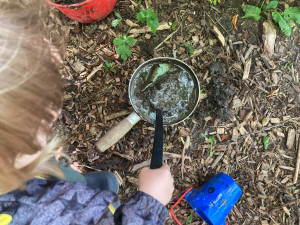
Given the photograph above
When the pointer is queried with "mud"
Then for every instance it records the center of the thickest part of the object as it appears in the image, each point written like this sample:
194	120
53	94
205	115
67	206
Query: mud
175	92
218	98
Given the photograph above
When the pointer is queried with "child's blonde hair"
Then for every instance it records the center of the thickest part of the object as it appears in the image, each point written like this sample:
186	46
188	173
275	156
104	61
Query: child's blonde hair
30	96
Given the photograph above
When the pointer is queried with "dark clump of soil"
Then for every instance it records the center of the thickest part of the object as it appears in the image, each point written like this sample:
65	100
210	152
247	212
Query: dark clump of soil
67	2
218	97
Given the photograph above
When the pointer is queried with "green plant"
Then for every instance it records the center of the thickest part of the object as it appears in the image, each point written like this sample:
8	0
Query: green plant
107	67
124	42
214	1
189	219
286	19
174	25
190	48
203	134
288	65
211	139
266	140
115	22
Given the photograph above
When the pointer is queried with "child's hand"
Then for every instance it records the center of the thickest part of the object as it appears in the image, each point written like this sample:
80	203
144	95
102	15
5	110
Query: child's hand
158	183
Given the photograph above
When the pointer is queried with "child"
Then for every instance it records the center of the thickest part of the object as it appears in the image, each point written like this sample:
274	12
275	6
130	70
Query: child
30	99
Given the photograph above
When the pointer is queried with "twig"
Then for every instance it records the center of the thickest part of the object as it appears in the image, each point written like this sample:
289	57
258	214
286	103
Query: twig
144	164
186	146
93	72
116	115
297	163
91	168
217	22
167	38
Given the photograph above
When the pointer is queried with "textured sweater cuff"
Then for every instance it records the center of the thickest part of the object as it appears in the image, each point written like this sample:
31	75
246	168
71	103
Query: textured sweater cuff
156	206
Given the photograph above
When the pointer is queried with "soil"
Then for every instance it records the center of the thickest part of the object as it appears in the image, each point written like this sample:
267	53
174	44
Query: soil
239	112
67	2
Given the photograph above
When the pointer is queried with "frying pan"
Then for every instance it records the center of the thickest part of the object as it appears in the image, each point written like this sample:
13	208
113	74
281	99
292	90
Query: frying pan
117	132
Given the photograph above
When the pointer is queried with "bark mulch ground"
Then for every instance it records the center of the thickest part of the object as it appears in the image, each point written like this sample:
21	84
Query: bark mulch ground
246	95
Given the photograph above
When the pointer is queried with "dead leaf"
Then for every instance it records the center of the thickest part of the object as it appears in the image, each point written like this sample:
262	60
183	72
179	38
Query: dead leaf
272	93
234	20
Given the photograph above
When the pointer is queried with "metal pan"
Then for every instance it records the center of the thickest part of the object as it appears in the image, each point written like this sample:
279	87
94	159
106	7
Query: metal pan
141	105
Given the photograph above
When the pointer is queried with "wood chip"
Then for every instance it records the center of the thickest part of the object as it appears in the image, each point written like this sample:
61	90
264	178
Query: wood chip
220	130
78	66
286	210
133	180
219	36
291	138
269	37
275	120
247	68
297	167
235	134
217	160
162	26
190	19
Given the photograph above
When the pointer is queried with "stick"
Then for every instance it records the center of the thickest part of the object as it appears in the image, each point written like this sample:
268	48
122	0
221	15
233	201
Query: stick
93	72
116	115
186	146
144	164
297	164
167	38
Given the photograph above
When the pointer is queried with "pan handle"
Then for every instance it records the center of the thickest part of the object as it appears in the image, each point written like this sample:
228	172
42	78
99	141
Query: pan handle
117	132
157	152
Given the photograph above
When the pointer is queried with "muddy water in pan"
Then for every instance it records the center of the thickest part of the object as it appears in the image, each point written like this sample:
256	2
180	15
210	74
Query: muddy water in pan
169	87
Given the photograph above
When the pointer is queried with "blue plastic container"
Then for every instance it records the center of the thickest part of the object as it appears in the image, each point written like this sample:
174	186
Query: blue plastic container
214	199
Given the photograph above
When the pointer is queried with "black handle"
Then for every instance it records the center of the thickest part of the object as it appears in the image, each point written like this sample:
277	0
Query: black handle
157	152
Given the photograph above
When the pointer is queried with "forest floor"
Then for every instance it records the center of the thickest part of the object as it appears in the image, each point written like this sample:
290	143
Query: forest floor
247	96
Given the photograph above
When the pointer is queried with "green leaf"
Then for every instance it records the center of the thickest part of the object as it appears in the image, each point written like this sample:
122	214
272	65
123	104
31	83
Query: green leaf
266	140
182	140
113	70
292	13
120	40
203	134
252	12
118	15
285	28
130	41
150	16
271	5
142	15
124	51
115	22
189	219
123	44
191	50
174	24
211	139
107	64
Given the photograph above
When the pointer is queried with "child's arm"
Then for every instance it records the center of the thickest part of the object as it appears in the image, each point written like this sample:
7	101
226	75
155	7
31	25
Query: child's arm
147	205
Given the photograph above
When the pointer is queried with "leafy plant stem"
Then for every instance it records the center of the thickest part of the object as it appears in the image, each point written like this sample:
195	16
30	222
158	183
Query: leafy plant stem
262	4
131	27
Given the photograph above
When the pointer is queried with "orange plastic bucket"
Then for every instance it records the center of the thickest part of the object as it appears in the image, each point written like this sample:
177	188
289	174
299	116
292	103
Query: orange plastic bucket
87	11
